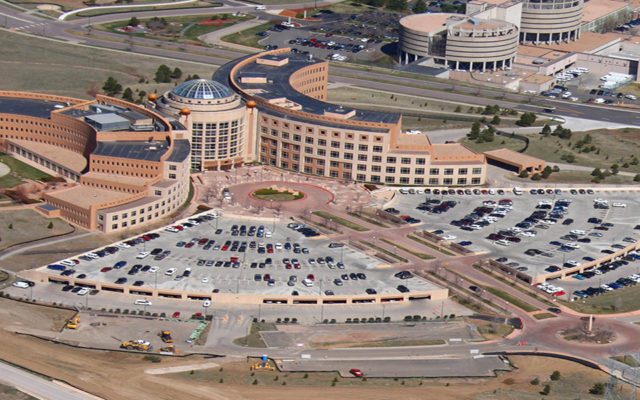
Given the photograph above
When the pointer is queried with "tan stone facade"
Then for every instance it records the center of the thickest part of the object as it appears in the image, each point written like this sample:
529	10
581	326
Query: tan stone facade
109	184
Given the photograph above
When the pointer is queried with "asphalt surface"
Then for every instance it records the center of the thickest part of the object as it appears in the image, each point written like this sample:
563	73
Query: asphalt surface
39	387
28	23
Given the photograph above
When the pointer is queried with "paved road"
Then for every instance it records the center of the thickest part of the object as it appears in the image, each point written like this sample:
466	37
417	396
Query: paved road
39	387
29	23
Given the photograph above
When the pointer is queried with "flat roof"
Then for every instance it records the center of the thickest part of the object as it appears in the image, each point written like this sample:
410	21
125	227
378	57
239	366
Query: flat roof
127	180
29	107
514	157
85	196
588	42
453	152
278	85
595	9
67	158
181	150
106	118
430	23
148	151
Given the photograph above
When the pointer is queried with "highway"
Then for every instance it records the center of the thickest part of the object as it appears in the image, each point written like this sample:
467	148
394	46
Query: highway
39	387
73	30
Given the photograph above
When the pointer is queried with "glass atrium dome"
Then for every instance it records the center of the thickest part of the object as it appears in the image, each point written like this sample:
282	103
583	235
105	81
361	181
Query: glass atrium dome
202	89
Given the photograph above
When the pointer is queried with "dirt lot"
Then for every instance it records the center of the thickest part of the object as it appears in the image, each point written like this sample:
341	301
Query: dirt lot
121	375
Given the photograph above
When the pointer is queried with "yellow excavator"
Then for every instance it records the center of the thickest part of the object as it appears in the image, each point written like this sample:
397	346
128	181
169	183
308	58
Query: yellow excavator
140	345
166	336
73	323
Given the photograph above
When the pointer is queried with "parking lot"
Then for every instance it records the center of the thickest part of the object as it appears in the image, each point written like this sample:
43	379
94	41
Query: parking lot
240	255
567	230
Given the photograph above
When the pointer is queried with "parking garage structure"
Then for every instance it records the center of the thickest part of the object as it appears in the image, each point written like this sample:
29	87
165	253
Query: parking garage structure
546	21
298	130
460	42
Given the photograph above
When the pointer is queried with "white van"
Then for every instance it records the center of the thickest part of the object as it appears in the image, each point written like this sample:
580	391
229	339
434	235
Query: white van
142	302
517	191
307	282
170	271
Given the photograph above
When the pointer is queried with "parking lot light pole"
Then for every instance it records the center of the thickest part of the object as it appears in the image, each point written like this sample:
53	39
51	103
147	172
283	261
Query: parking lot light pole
156	282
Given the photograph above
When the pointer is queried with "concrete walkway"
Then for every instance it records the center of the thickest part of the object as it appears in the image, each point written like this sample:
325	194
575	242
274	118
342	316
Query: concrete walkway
215	37
180	368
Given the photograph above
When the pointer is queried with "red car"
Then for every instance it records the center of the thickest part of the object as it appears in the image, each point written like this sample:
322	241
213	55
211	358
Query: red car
356	372
559	293
106	269
175	314
311	277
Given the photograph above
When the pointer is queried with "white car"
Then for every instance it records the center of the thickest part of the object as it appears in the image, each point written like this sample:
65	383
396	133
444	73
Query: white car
278	246
93	256
170	271
572	245
260	8
20	284
621	205
153	269
171	229
578	232
307	282
142	302
123	245
631	96
143	255
449	237
207	303
83	292
599	100
68	263
205	279
503	242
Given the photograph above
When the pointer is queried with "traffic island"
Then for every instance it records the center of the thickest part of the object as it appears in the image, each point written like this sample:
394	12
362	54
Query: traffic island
275	193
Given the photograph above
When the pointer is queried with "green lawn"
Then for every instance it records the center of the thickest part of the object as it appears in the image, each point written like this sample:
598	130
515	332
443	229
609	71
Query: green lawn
23	225
627	359
499	142
19	172
248	37
511	299
340	221
96	12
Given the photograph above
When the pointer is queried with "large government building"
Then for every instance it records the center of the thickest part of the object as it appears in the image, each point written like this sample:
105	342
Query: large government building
130	164
487	37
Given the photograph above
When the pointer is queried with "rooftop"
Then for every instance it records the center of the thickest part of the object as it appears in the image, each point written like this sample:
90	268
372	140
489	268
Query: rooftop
596	9
67	158
202	89
589	42
513	157
453	152
278	86
86	196
29	107
181	150
430	23
147	151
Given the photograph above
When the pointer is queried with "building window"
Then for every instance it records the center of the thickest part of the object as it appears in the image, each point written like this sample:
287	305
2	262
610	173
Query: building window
363	147
114	226
389	179
362	157
362	167
376	158
348	146
475	181
172	167
462	181
172	176
433	181
420	161
447	181
377	149
404	180
361	177
114	218
375	178
419	171
448	171
376	168
390	170
158	192
418	181
391	160
405	160
434	171
405	171
477	171
462	171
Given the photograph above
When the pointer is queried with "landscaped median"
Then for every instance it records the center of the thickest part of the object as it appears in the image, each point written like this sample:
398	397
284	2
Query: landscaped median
340	221
430	245
418	254
511	299
384	251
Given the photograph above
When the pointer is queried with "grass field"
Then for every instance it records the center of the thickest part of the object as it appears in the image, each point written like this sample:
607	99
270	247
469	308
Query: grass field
68	5
96	12
248	37
498	143
27	225
620	301
39	65
275	195
340	221
511	299
19	172
627	359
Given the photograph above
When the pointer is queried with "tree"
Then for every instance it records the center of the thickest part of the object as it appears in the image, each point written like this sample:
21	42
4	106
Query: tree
636	178
50	226
546	130
133	22
128	95
495	120
536	177
420	7
163	74
112	86
545	174
596	172
527	119
523	174
10	226
597	388
177	73
555	376
546	390
614	169
458	109
397	5
487	135
475	131
535	381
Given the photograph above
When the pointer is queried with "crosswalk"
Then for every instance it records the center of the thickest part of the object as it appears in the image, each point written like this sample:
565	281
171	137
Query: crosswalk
30	27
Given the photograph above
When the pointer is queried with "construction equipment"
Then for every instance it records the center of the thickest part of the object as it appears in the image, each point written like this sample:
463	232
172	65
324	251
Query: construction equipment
170	349
166	336
140	345
73	323
263	365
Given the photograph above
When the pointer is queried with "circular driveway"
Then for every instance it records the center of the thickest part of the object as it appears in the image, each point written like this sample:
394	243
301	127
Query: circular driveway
315	197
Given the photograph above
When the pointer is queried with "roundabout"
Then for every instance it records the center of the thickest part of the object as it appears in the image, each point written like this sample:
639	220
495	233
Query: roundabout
289	197
275	193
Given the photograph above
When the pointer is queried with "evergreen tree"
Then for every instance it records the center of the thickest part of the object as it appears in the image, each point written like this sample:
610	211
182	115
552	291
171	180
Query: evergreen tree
420	7
397	5
112	86
163	74
177	73
133	22
128	95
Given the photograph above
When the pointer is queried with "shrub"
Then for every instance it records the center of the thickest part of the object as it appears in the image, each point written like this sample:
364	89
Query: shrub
555	376
535	381
523	174
153	358
598	389
546	390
